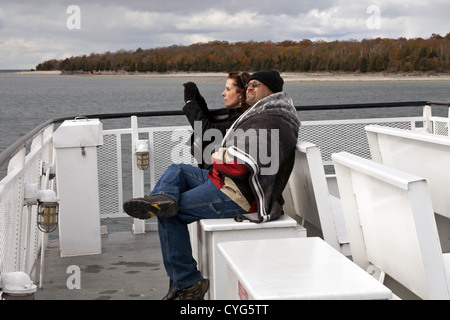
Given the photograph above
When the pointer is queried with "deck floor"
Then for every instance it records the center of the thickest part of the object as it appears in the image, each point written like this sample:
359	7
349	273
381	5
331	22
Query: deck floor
130	267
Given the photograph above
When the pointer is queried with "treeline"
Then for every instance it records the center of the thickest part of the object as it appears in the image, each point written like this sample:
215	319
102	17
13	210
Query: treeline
374	55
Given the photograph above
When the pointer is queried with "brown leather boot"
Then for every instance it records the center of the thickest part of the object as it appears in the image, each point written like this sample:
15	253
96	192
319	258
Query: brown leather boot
151	206
171	295
195	292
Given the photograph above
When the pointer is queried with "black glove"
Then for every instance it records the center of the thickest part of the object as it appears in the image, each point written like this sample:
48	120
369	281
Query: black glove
190	91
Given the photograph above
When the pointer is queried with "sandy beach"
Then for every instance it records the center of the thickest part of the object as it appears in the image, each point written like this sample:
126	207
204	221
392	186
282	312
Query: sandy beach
39	73
287	76
327	76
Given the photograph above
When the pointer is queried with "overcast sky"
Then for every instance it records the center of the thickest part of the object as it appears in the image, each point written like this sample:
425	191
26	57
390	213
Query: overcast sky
34	31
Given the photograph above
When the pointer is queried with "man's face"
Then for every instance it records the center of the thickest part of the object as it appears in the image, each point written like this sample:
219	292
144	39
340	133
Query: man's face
256	91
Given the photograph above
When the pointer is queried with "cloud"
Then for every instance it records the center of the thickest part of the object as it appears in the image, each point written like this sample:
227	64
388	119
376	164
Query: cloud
215	19
31	31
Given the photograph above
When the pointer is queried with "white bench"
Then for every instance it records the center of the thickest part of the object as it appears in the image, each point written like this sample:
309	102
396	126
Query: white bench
211	232
391	225
299	268
312	200
423	154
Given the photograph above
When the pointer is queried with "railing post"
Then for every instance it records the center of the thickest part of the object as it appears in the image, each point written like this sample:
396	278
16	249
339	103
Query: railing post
427	123
137	175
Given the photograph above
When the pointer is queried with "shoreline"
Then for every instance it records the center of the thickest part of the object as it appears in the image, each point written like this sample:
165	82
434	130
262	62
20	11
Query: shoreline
342	77
287	76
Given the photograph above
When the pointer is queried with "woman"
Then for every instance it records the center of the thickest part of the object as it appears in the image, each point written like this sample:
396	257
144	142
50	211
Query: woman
196	109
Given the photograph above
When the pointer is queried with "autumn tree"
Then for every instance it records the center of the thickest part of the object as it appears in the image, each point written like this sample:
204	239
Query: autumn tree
368	55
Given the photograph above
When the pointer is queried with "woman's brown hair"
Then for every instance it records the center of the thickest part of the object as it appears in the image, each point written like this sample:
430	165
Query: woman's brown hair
240	80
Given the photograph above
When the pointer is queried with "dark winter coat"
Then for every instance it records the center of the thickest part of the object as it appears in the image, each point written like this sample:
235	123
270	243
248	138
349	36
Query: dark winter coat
270	131
221	120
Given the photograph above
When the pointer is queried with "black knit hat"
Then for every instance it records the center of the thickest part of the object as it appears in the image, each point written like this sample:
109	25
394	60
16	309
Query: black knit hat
271	78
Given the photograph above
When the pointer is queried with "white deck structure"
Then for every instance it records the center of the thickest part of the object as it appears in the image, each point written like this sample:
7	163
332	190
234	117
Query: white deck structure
391	225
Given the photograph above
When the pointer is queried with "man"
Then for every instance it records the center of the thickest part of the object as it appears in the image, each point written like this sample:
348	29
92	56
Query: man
245	182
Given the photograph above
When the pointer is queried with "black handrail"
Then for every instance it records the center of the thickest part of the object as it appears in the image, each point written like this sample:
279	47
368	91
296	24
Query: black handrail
365	105
12	150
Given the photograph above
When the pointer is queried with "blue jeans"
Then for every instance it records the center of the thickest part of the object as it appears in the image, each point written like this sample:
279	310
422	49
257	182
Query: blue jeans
197	198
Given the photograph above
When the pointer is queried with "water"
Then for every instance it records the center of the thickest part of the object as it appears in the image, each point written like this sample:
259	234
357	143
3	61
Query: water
27	100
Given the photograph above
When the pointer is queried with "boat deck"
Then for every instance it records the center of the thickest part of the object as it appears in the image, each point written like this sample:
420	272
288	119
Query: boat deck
130	267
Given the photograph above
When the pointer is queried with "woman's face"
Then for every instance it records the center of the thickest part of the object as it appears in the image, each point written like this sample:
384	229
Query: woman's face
231	95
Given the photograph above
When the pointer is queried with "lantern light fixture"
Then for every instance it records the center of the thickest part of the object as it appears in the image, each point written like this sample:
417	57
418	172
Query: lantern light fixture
47	206
142	154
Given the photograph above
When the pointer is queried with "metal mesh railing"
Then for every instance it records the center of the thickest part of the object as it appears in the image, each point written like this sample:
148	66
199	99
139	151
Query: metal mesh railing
110	173
440	126
168	145
9	226
348	135
19	235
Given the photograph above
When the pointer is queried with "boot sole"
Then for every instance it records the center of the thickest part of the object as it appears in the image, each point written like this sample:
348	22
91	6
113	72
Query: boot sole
142	209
